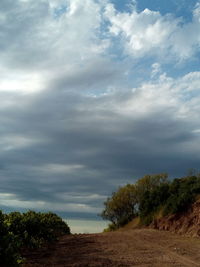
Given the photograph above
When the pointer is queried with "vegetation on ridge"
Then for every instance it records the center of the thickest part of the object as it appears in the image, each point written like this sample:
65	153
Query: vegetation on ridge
148	196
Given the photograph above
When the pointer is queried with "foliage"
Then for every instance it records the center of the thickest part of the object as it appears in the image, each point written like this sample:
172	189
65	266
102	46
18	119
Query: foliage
152	200
182	193
30	230
35	228
9	244
148	183
111	227
121	207
146	197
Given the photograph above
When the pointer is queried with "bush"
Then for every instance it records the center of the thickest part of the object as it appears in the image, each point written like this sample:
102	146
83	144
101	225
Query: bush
151	201
9	244
30	230
183	193
111	227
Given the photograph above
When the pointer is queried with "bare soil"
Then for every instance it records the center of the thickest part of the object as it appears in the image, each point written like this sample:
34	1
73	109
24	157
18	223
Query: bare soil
141	247
187	222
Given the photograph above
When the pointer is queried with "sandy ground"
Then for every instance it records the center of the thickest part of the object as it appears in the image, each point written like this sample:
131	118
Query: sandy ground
144	247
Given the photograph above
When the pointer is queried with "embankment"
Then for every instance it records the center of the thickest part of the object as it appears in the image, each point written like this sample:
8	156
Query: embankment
186	223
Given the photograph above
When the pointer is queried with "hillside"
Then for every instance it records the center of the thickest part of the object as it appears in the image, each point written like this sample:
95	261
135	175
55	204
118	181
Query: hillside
156	201
141	247
184	223
187	223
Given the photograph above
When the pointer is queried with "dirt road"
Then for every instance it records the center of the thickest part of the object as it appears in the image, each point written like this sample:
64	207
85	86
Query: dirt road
128	248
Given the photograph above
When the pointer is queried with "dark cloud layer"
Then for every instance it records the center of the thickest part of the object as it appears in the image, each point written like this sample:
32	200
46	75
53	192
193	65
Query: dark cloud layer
102	148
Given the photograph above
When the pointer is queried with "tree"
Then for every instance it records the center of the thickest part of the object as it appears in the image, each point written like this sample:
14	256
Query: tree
148	183
121	207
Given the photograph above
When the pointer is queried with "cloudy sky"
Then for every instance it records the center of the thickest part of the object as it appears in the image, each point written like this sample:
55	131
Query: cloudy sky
95	94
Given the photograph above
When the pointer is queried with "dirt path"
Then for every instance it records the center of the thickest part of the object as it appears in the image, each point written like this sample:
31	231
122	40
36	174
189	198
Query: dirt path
128	248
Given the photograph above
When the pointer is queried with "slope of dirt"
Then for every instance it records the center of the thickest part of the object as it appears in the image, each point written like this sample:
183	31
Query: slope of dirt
187	223
142	247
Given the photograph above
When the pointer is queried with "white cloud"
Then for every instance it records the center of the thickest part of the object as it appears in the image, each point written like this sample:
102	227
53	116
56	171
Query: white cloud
80	197
181	96
38	47
47	40
13	142
156	69
186	39
21	82
196	131
148	33
11	200
60	168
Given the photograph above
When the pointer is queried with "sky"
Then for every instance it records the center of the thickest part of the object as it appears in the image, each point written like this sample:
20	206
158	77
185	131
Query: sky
95	94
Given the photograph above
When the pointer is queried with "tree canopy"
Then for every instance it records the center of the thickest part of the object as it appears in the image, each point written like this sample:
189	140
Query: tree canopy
121	207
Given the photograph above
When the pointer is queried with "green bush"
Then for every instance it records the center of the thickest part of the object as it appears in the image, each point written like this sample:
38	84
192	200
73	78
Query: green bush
9	244
151	201
30	230
34	228
183	193
147	220
111	227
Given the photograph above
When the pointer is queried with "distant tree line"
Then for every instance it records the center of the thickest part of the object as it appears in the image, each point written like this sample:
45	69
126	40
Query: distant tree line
148	196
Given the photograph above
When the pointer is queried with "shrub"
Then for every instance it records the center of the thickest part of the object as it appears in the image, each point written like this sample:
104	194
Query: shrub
151	201
182	194
9	244
30	230
111	227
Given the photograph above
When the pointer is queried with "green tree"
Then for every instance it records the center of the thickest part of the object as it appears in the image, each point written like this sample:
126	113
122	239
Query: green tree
152	201
121	207
148	183
183	192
